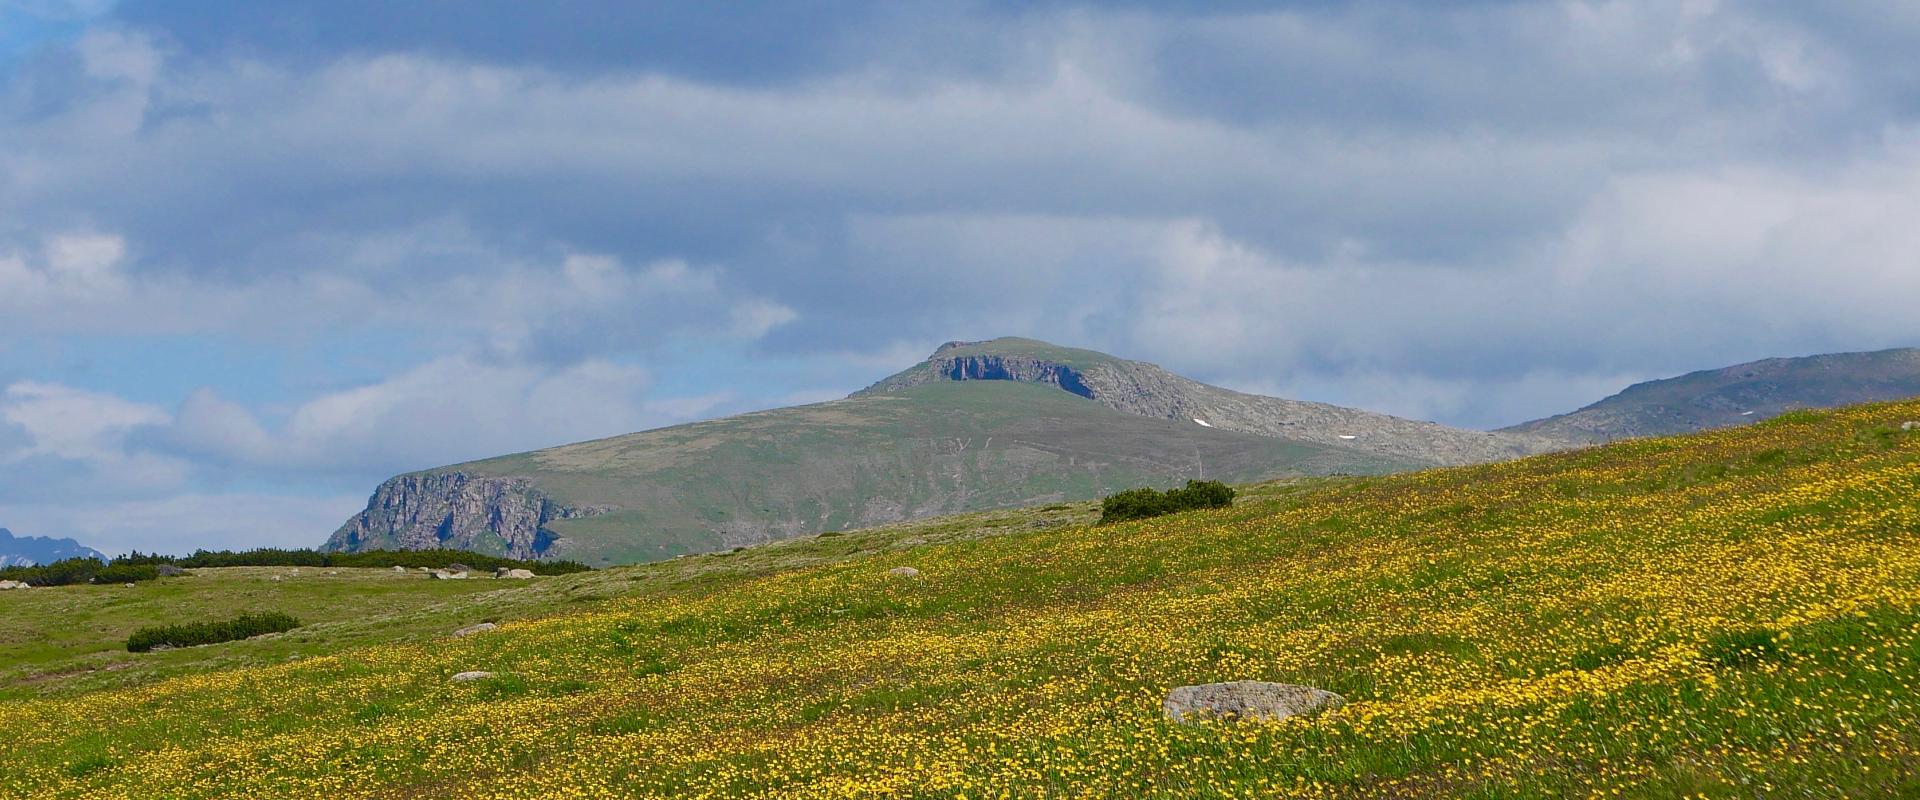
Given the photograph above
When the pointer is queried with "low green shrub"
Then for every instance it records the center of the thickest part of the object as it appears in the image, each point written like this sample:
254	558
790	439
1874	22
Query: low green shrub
73	571
126	573
277	557
1144	503
190	634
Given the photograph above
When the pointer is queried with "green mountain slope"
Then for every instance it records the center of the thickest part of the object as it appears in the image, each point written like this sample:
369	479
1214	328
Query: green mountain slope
934	449
1725	615
979	425
1736	395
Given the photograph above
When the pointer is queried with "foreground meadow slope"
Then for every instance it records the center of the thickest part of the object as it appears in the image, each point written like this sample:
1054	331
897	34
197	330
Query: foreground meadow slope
1731	614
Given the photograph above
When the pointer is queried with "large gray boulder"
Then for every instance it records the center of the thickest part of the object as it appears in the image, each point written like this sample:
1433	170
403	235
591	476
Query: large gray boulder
473	629
469	677
514	574
1245	700
14	585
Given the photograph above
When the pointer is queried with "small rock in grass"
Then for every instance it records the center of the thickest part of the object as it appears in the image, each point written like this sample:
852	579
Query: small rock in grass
1910	426
514	574
276	578
469	677
473	629
398	568
904	572
1243	700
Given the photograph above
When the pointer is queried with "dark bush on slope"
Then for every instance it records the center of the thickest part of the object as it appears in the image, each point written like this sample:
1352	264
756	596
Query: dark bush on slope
190	634
1144	503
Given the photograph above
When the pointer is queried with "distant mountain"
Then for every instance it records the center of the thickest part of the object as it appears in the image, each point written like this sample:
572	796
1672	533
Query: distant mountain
26	551
1736	395
979	425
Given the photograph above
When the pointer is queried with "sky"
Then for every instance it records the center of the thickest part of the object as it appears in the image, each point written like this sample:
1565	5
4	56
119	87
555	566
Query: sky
257	257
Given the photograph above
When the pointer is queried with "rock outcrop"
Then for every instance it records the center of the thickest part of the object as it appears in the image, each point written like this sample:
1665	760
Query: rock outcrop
1246	700
455	510
473	629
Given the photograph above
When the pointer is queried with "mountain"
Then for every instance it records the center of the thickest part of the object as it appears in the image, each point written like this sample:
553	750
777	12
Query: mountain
26	551
1147	390
1733	614
1736	395
978	425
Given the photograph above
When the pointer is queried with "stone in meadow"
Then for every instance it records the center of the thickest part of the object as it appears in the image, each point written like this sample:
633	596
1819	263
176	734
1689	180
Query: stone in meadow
1246	700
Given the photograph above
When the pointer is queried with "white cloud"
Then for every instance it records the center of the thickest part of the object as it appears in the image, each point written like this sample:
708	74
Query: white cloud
1476	212
448	410
118	55
75	442
576	306
72	269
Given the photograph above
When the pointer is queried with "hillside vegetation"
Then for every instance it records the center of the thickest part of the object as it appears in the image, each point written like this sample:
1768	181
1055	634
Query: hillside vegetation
1731	614
1736	395
940	448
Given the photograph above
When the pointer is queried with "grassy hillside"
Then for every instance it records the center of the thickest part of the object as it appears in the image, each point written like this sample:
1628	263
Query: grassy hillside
936	449
1733	614
70	639
1737	395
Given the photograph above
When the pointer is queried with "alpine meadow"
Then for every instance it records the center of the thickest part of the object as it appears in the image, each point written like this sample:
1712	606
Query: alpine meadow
1726	614
959	400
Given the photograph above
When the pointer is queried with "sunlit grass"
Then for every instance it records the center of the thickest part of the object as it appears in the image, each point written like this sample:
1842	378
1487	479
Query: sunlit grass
1735	614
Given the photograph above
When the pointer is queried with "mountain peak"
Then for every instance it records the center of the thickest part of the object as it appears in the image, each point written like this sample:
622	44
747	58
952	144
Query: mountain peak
29	550
1147	390
1020	347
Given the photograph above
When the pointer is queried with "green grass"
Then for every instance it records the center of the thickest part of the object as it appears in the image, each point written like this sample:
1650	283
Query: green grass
931	450
1730	615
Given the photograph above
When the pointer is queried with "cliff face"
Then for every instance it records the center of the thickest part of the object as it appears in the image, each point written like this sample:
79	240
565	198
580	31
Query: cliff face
456	510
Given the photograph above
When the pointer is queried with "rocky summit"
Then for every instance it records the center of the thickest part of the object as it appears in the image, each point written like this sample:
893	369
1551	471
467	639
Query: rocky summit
26	551
978	425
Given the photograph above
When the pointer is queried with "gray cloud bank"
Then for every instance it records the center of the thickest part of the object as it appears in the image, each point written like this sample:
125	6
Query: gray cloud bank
1472	212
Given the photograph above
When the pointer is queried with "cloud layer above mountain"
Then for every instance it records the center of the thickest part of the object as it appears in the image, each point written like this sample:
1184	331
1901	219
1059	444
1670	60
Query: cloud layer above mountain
254	255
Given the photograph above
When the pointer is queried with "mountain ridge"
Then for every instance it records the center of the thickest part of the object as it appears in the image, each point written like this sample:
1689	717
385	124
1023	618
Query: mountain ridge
1734	395
26	551
1147	389
1021	422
